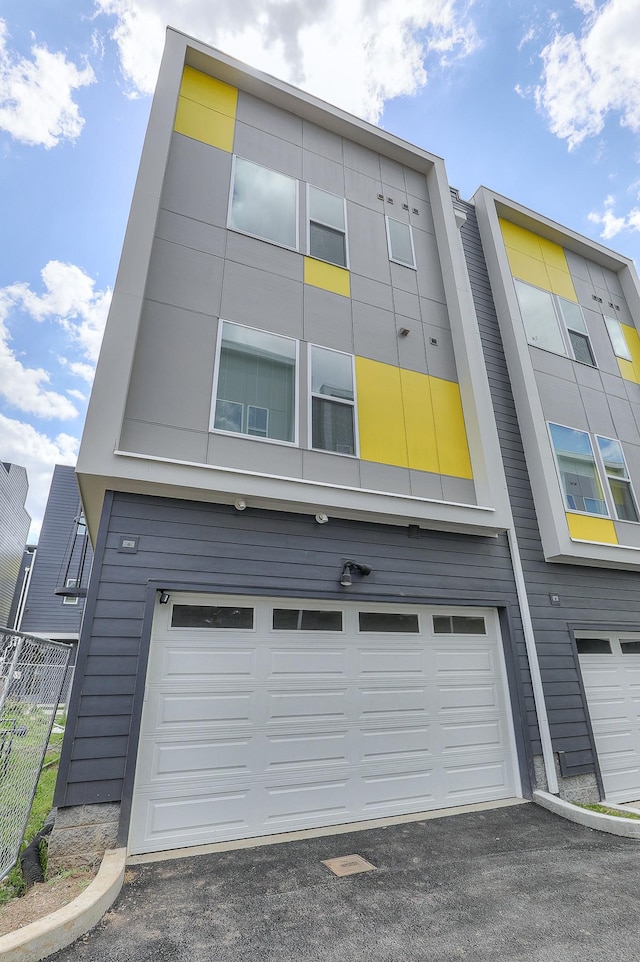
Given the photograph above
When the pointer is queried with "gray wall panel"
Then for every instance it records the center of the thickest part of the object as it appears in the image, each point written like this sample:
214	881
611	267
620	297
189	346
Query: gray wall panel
258	113
322	142
268	151
192	182
261	299
164	441
184	278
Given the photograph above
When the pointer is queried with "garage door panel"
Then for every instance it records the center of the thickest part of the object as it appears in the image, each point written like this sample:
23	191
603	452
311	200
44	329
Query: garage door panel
297	729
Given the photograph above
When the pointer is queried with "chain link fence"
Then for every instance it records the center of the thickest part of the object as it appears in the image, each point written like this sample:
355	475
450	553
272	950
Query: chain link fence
32	672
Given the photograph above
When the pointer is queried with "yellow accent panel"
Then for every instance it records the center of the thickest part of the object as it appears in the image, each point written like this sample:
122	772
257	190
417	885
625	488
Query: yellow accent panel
630	370
520	239
528	269
451	434
209	92
327	276
208	126
380	413
422	448
553	255
560	282
584	528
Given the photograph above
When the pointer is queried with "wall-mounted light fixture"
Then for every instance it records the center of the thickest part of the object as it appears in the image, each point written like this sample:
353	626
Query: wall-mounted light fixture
240	504
164	597
349	566
322	518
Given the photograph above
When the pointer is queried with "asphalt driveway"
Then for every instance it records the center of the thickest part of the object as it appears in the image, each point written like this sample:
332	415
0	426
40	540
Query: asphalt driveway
516	884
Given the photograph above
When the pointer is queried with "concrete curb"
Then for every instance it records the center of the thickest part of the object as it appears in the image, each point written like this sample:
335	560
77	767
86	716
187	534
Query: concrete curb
615	825
54	932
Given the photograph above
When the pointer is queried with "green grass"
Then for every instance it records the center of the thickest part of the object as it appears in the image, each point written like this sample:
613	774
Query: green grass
13	884
605	810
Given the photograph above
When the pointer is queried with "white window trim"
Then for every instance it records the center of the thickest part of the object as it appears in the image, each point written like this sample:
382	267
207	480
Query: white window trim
70	599
216	376
412	267
246	233
311	394
563	327
605	487
323	223
627	480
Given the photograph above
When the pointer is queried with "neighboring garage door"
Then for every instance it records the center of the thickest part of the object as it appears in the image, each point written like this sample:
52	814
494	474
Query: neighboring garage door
611	674
264	716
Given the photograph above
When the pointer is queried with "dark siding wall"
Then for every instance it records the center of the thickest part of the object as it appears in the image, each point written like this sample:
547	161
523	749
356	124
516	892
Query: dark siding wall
215	548
44	610
14	527
592	597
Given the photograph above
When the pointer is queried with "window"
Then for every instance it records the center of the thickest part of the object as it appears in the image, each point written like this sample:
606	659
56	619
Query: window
332	401
400	240
255	391
618	340
578	471
387	621
70	599
617	475
459	625
554	323
593	646
264	203
306	619
327	226
211	616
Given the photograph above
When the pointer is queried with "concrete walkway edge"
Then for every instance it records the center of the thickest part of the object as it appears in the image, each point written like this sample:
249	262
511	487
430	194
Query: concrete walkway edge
614	824
54	932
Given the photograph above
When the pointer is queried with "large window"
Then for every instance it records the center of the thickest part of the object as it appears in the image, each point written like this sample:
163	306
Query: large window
327	226
554	323
400	241
618	340
332	401
578	471
264	203
255	391
615	468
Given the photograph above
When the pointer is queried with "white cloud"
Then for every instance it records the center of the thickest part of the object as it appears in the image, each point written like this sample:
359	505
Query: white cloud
611	223
588	77
78	395
22	444
36	96
70	301
355	54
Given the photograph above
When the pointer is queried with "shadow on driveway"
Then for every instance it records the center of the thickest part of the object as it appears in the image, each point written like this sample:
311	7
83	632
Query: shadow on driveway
514	884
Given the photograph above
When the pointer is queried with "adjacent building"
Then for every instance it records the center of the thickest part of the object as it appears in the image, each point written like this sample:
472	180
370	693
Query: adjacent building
338	572
14	528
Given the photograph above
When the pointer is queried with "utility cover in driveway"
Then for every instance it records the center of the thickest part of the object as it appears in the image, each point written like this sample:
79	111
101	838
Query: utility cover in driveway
265	716
348	865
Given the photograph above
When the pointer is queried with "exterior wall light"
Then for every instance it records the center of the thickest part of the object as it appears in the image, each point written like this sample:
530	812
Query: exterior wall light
349	566
164	597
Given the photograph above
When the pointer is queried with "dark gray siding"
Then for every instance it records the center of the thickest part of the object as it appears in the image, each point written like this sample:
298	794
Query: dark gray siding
45	611
590	597
14	527
210	547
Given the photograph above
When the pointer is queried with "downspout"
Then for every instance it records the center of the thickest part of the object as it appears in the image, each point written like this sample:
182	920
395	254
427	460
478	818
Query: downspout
534	665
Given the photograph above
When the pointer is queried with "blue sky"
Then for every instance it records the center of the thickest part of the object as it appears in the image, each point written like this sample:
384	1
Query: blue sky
539	101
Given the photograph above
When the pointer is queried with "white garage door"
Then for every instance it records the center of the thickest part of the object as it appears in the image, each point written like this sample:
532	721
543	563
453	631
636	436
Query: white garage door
264	716
611	673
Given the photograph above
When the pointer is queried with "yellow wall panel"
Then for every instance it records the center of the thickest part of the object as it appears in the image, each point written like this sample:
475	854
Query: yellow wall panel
520	239
327	276
451	434
584	528
553	254
422	449
530	269
560	282
627	370
208	126
380	413
209	92
632	338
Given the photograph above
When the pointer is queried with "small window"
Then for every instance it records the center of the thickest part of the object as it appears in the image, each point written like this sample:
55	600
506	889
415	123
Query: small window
539	318
630	647
387	621
578	472
332	401
618	339
459	625
327	226
400	240
70	599
618	479
255	384
593	646
264	203
211	616
577	331
307	619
